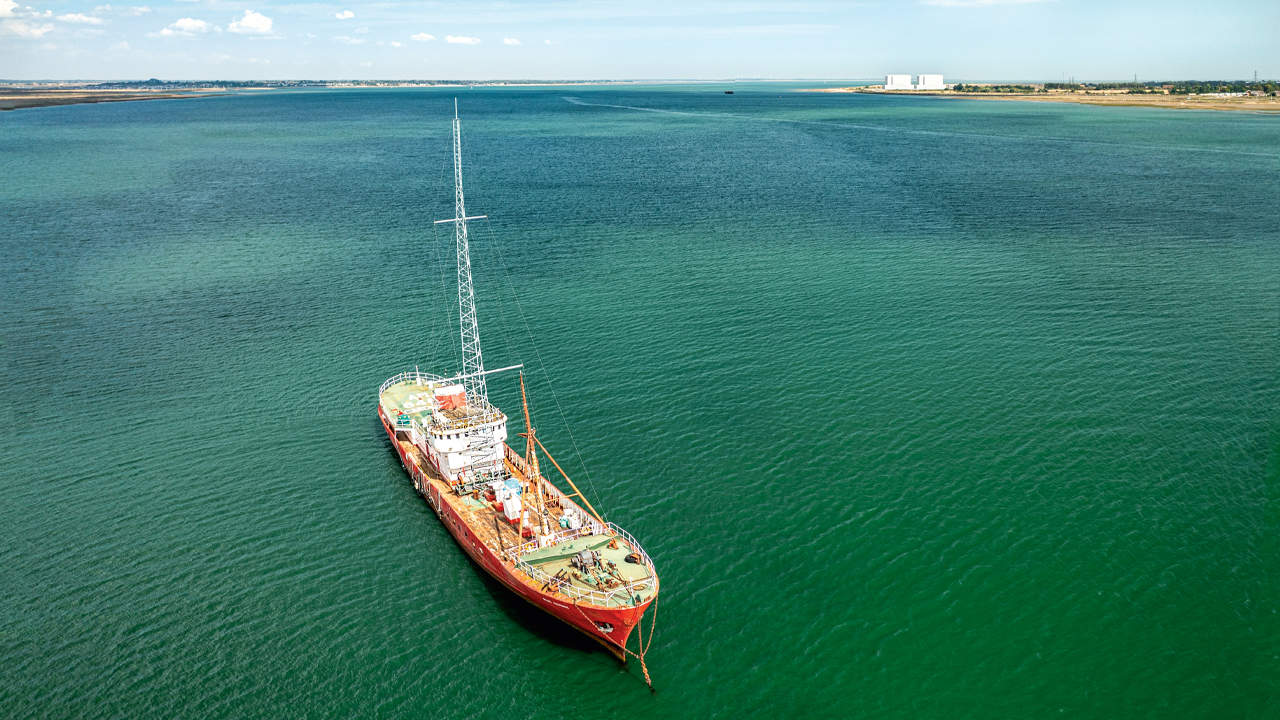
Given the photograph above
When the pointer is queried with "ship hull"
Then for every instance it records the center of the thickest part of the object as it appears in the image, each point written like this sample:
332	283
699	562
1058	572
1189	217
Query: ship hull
592	620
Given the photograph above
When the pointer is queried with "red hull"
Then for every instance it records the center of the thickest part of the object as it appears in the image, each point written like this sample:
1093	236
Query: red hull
584	617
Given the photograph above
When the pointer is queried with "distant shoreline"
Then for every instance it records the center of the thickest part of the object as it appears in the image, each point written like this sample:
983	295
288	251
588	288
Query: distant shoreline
21	98
1177	102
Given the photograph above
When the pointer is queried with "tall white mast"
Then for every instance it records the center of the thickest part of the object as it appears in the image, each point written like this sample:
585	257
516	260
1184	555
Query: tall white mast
472	360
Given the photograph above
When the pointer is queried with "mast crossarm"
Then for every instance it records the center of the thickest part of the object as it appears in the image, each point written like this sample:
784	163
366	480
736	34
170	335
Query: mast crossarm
462	219
455	378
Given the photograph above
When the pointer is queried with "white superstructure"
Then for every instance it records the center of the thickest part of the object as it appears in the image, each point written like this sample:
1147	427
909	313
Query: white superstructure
450	419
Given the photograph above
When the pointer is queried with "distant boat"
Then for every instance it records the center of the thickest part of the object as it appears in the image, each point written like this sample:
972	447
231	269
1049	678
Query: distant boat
513	521
728	92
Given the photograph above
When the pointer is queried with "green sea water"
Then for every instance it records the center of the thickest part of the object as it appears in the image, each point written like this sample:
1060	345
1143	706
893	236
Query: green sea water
924	408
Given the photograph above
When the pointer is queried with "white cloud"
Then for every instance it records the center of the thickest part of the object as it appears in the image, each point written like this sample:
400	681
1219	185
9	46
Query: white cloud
461	40
251	23
6	8
420	37
396	43
184	26
977	3
134	10
80	19
510	41
349	40
344	15
23	29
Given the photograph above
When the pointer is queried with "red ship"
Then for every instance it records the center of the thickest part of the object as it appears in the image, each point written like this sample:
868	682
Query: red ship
548	546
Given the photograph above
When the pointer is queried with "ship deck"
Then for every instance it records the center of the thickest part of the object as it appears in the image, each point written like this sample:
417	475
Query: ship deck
558	558
492	528
409	397
413	396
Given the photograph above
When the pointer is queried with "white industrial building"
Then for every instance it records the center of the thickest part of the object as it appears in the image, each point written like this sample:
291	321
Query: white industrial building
929	82
898	82
923	82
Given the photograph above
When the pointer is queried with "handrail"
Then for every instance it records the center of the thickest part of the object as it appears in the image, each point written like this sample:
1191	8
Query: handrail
597	596
406	375
635	546
489	413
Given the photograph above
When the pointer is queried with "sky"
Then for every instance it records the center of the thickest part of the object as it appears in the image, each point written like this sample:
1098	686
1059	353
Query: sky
974	40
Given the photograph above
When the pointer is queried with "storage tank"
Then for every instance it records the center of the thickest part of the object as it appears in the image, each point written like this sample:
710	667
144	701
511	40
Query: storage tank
511	507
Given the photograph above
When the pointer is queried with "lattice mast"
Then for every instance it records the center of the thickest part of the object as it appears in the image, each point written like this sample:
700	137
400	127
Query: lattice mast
472	360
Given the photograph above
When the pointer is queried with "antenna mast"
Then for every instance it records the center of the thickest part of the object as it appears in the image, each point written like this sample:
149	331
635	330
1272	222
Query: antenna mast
472	360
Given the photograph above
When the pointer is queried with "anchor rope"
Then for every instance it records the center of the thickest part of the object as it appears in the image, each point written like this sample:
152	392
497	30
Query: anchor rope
640	640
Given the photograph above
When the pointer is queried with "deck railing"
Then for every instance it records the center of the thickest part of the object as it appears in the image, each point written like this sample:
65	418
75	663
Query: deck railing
621	595
556	539
648	562
415	375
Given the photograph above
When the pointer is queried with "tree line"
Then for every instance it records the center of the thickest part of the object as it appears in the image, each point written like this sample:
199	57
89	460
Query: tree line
1176	87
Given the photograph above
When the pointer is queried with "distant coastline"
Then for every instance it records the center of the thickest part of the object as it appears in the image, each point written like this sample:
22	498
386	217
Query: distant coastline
17	98
1209	101
20	95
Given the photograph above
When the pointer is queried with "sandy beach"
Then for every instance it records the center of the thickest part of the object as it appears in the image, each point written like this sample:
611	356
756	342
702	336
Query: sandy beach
16	98
1180	102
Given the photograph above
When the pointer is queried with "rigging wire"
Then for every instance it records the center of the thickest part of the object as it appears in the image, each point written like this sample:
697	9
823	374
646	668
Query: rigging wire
441	332
502	262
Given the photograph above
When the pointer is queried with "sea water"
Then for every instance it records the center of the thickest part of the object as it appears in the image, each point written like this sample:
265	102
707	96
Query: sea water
923	407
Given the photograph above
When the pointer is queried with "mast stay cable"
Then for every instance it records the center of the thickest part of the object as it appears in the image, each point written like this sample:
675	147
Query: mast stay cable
502	262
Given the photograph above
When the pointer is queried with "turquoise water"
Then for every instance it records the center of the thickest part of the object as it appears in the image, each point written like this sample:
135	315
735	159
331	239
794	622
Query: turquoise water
924	408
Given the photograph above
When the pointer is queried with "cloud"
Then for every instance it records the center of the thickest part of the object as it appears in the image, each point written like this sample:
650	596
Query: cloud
396	43
420	37
344	15
510	41
6	8
977	3
251	24
184	26
23	29
461	40
349	40
80	19
133	10
547	42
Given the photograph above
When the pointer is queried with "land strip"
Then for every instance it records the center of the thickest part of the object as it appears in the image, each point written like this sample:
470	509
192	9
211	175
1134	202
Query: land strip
14	98
1242	103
